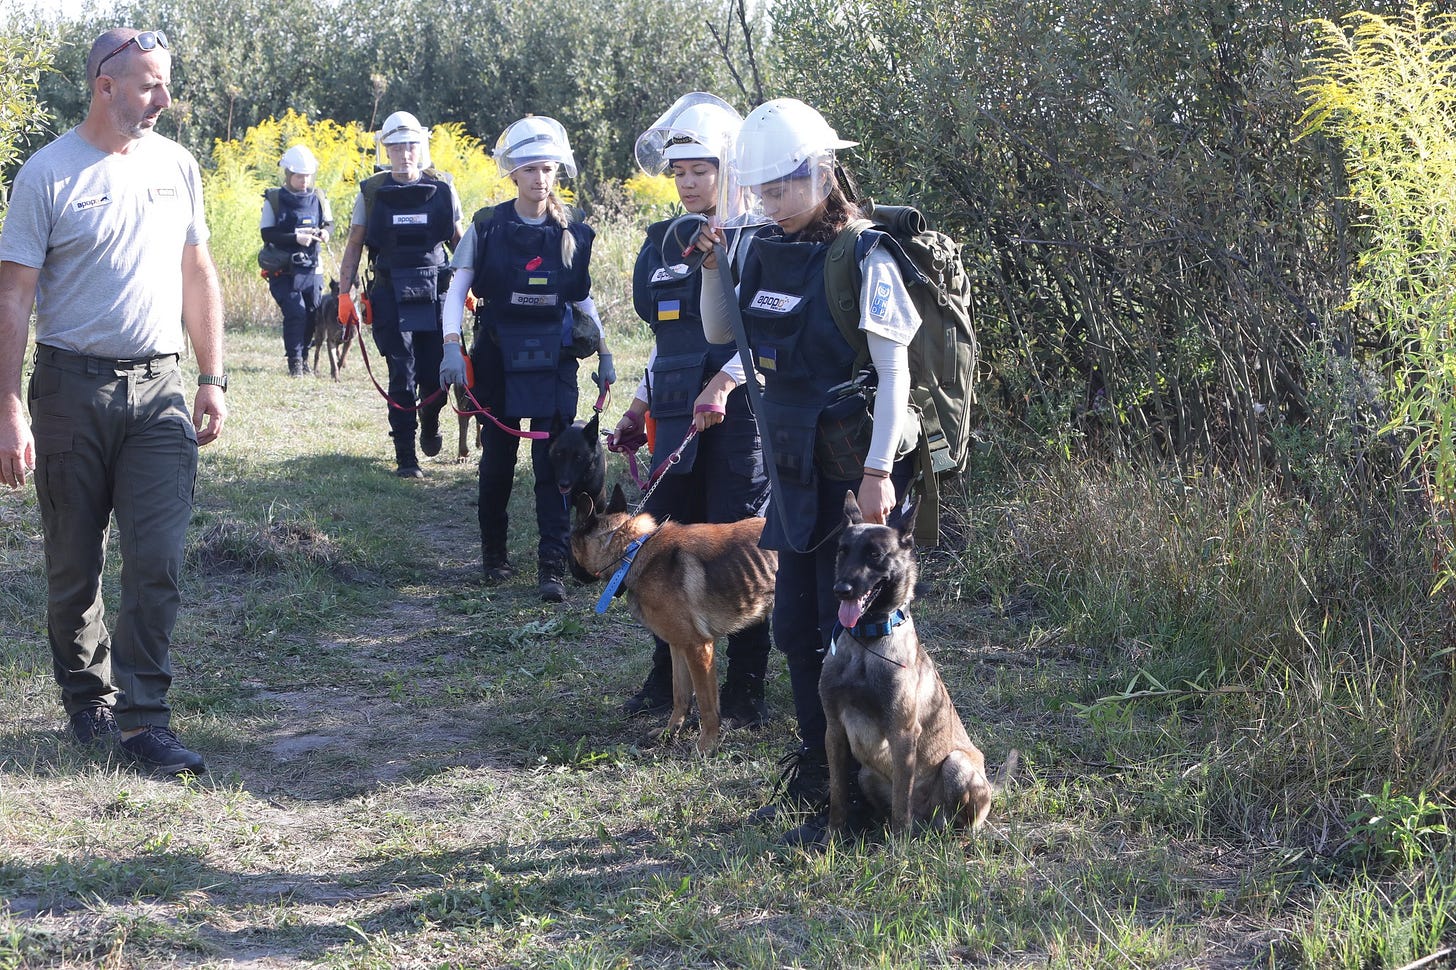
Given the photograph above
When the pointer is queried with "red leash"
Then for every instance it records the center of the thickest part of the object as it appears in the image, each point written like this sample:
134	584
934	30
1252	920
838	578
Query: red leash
480	410
363	350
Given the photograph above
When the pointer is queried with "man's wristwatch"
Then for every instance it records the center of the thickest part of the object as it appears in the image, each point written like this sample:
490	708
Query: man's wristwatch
217	380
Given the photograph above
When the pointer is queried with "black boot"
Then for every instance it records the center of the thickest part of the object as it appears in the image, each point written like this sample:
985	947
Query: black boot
740	702
295	366
407	465
493	562
655	694
862	821
550	581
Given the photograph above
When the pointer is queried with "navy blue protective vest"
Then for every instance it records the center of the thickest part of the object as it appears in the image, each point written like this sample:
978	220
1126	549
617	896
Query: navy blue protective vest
406	231
685	360
798	349
524	292
297	210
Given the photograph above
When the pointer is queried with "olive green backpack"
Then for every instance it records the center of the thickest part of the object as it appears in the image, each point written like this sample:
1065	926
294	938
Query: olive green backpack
943	353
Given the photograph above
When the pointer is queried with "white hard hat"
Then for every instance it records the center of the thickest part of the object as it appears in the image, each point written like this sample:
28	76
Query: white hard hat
402	128
778	138
535	138
298	160
698	125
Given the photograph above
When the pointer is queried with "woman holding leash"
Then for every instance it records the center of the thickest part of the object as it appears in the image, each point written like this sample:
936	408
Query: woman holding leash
691	384
819	445
527	264
295	223
404	218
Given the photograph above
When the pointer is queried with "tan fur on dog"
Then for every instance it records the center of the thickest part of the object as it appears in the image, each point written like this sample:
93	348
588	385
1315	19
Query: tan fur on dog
689	584
884	699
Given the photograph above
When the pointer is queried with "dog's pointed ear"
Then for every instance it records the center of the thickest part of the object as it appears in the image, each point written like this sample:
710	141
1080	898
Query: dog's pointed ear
592	427
557	425
902	519
852	514
618	501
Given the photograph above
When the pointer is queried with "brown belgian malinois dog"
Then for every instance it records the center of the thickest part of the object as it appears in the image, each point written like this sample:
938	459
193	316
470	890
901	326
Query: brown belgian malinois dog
884	699
688	584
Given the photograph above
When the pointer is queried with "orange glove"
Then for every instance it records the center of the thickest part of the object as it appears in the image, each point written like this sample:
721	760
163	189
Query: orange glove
469	301
347	313
368	312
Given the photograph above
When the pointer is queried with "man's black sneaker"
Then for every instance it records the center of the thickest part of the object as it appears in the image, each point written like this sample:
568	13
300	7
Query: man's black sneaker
409	471
158	750
94	726
431	444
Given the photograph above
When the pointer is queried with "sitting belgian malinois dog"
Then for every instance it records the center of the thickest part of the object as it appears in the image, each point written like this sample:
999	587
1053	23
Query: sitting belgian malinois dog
884	699
688	584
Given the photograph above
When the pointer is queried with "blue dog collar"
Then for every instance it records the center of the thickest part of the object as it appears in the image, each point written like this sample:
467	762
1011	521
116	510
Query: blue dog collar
869	631
610	592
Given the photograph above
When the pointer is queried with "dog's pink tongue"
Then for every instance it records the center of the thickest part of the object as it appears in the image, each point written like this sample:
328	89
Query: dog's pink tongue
849	613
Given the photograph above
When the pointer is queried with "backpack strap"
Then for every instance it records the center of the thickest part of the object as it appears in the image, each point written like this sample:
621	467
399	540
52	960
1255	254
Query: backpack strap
842	280
274	203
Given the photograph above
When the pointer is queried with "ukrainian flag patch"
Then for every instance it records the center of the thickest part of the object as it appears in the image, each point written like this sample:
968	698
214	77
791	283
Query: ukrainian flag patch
768	359
537	281
669	309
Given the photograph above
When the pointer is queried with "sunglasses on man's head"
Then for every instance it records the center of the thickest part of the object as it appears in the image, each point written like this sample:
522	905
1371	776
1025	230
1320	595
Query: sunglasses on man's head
147	40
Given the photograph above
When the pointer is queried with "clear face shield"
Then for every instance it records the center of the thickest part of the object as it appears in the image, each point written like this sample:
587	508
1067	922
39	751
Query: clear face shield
297	181
404	158
790	200
787	193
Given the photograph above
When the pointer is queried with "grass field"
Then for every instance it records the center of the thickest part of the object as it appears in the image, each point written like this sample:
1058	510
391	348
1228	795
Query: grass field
410	769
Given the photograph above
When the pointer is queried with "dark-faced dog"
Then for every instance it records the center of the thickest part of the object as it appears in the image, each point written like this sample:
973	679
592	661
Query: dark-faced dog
689	585
580	465
883	698
329	335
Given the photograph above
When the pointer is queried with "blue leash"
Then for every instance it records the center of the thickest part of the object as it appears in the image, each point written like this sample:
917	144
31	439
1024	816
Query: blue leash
610	592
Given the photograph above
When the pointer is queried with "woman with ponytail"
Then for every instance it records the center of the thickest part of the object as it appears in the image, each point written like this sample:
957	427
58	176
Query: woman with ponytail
527	264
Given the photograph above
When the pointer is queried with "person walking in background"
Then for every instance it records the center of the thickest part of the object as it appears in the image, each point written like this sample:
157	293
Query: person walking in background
297	220
105	237
690	383
404	218
784	156
527	263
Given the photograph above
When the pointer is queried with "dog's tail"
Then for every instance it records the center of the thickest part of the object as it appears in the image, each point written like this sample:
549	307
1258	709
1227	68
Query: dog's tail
1008	767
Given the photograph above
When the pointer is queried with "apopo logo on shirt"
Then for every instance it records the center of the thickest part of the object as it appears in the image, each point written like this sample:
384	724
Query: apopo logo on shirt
95	201
771	302
410	218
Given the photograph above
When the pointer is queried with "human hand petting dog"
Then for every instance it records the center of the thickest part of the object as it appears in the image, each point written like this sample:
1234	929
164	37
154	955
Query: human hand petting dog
876	496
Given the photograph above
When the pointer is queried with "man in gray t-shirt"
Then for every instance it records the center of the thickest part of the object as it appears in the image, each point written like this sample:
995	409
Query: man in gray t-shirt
105	238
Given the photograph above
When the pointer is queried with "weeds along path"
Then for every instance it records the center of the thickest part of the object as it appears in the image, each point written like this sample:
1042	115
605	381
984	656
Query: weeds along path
410	769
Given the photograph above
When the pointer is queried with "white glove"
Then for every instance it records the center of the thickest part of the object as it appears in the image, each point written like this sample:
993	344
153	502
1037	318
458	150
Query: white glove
304	237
